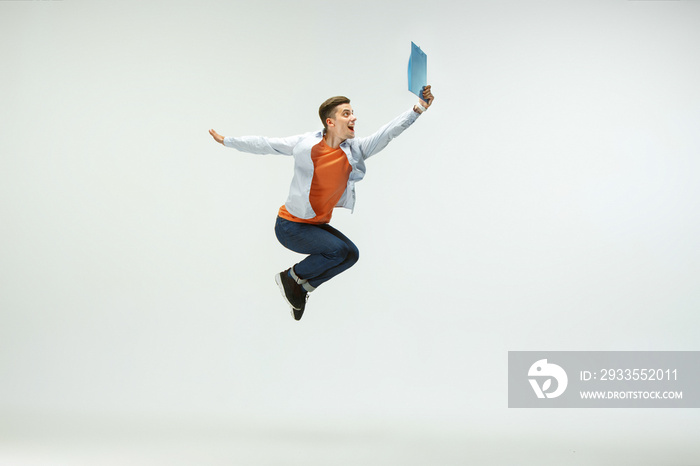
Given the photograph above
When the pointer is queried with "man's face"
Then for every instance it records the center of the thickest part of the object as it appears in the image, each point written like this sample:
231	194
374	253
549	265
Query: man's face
343	125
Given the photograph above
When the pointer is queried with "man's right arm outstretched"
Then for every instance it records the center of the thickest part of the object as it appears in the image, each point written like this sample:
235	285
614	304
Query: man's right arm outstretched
259	144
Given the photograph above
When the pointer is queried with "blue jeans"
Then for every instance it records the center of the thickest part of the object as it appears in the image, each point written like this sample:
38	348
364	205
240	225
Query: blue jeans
330	251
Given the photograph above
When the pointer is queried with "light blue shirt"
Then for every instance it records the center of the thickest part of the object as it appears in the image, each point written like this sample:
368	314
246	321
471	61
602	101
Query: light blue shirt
357	151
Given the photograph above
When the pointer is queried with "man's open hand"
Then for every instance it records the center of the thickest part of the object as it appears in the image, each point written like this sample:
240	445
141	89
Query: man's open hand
217	137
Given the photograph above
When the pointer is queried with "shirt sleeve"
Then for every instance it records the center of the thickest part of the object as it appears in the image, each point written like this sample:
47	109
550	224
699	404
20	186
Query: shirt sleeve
379	140
263	145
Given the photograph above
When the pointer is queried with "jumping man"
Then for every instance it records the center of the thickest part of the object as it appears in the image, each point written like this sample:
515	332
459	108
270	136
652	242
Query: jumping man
327	164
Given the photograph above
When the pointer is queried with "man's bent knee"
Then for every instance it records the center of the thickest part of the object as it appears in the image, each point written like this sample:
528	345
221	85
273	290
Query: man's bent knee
353	254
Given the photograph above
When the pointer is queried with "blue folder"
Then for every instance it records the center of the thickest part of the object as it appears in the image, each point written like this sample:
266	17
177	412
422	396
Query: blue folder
417	70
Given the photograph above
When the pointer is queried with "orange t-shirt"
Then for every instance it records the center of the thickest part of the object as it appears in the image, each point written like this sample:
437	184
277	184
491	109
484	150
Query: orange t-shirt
331	173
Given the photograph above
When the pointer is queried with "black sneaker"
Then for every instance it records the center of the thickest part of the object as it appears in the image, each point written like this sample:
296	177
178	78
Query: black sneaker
293	292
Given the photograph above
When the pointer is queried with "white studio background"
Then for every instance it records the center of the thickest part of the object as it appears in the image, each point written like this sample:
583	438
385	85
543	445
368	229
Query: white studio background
547	201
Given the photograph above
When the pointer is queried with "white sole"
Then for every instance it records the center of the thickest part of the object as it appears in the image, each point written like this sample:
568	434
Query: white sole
278	280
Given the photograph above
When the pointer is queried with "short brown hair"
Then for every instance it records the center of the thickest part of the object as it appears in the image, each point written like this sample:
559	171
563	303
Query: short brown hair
327	108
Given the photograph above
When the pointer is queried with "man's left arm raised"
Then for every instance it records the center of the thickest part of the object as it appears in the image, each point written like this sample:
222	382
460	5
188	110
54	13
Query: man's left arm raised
379	140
